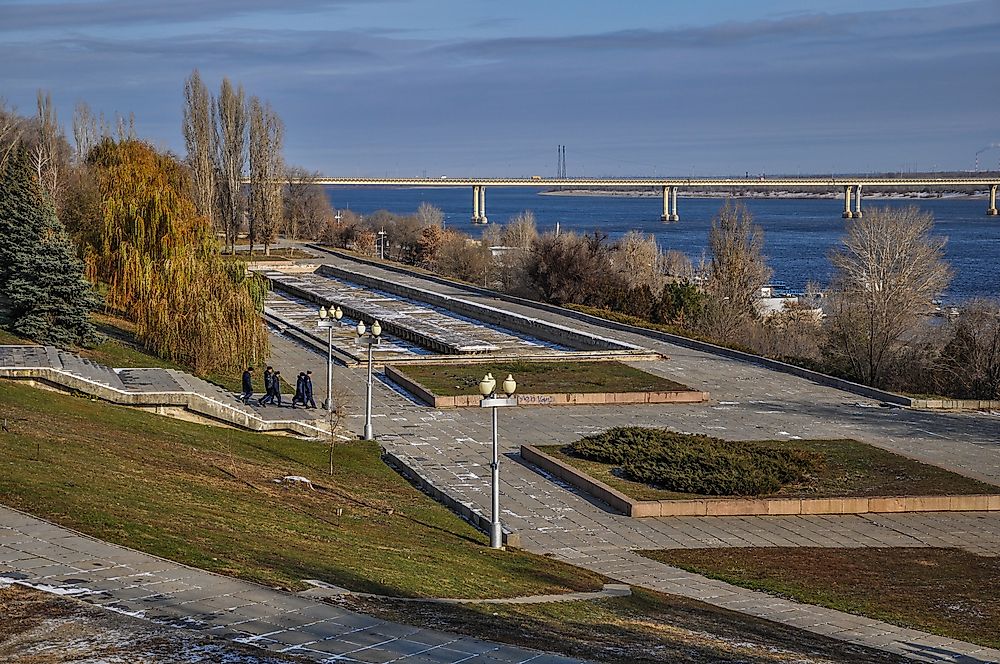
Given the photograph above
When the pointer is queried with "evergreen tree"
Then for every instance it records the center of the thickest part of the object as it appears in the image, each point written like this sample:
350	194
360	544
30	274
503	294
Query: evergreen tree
43	293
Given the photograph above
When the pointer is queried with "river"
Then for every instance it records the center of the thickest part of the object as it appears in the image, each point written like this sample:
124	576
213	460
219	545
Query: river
798	233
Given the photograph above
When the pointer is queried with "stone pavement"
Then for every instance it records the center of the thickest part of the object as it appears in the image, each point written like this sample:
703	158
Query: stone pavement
451	450
49	557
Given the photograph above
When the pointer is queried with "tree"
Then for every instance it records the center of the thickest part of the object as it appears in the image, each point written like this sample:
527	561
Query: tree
428	215
638	260
88	130
737	271
885	276
10	132
159	261
266	174
45	296
199	130
231	149
307	209
971	358
49	155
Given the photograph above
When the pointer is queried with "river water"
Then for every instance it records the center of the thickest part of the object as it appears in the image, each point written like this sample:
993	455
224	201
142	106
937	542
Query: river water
798	233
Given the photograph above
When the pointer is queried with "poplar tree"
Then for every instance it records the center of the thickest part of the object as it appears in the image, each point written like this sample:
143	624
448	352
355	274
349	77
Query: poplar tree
43	293
266	171
199	136
231	155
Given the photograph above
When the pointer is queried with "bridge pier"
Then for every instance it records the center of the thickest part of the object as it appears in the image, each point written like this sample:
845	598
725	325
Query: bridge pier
857	203
673	205
992	209
847	202
475	204
482	205
666	204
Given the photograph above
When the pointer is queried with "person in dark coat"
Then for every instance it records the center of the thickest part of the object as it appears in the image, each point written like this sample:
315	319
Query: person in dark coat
247	385
299	397
307	390
268	387
276	388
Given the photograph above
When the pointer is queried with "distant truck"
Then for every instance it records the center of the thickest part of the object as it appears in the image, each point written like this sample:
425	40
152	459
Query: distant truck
536	177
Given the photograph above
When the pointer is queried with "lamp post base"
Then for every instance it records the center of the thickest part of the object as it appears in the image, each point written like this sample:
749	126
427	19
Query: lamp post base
369	434
496	536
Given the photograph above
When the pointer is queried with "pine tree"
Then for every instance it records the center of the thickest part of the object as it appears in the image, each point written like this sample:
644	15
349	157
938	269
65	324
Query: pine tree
43	293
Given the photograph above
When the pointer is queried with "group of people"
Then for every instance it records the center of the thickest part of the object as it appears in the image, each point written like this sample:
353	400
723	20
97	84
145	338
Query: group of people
272	389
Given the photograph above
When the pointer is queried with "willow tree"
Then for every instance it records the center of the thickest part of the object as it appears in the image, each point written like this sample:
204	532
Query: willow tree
160	261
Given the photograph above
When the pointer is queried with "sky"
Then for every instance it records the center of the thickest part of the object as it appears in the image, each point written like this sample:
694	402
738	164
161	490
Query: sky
473	88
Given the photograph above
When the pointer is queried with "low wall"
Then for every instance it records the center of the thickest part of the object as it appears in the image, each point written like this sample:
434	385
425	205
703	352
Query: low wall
619	502
481	522
955	404
685	342
569	399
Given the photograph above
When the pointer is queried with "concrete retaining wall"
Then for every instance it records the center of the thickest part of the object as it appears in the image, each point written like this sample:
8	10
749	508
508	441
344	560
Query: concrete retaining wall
566	399
467	512
619	502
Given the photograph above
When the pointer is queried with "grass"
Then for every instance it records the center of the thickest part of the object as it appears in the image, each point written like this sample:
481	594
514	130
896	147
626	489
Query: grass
950	592
205	496
647	628
10	339
849	468
540	377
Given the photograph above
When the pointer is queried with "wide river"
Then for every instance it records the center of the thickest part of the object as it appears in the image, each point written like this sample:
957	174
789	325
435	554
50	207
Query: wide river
798	233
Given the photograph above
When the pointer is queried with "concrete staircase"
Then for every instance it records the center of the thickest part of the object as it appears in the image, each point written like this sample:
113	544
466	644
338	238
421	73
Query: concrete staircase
166	390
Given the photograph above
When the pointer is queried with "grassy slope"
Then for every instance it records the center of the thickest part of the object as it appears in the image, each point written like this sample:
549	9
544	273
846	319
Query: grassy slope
540	377
850	469
947	591
646	628
205	496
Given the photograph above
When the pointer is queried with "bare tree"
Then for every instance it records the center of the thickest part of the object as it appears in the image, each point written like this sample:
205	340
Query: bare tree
428	215
50	154
885	276
307	209
266	174
10	132
737	271
86	131
971	359
199	137
638	260
231	155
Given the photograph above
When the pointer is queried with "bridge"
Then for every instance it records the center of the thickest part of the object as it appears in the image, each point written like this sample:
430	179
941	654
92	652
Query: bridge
851	186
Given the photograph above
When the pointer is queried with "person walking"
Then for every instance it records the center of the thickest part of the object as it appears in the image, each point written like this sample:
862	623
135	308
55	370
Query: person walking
247	385
307	390
276	388
268	387
298	397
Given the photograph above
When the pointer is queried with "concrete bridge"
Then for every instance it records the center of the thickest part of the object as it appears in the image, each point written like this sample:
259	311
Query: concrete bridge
851	187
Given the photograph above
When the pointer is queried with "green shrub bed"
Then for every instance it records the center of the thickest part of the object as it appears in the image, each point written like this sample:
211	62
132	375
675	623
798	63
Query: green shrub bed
698	464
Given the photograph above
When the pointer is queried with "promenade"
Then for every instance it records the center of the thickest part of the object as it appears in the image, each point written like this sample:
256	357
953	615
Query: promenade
450	450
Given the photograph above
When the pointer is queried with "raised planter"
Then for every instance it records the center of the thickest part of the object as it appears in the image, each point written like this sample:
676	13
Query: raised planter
619	502
565	399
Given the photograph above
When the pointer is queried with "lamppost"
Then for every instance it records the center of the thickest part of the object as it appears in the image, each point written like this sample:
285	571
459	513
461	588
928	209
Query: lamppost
381	243
329	319
370	339
488	388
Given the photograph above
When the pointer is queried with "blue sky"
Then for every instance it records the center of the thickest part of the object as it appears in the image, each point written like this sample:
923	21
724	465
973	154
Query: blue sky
468	87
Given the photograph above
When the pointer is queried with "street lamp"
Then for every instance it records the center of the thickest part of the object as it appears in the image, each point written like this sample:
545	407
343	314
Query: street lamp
488	388
381	243
370	339
329	319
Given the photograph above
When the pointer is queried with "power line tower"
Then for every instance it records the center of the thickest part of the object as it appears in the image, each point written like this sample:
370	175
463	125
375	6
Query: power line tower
561	161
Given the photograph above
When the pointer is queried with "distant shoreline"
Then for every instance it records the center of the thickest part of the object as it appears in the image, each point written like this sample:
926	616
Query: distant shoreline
914	195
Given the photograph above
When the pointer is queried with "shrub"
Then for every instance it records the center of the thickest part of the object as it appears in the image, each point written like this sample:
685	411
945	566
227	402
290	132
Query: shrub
698	464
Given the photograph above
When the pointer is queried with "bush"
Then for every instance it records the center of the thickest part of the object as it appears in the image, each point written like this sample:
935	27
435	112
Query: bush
698	464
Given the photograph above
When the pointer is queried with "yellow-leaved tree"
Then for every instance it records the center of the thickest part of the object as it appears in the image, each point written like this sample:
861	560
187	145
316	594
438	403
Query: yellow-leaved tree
160	263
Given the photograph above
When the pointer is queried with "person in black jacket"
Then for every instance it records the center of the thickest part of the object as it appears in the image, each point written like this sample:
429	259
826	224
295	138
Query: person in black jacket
268	387
247	386
307	390
299	397
276	388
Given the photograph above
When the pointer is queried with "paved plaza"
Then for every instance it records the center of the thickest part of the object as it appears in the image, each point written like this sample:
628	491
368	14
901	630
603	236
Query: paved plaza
450	449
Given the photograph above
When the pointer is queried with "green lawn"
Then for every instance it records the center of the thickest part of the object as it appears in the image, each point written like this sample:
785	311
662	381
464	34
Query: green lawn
946	591
849	468
539	377
9	339
647	628
205	496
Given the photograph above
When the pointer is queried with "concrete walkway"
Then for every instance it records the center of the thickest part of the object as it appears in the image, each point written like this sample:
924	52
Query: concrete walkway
53	558
450	449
